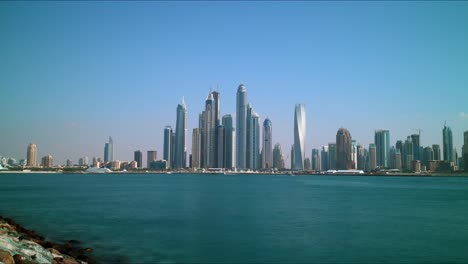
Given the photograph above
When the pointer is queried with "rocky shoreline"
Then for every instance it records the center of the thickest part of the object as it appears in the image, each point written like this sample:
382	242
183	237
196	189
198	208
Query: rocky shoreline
19	245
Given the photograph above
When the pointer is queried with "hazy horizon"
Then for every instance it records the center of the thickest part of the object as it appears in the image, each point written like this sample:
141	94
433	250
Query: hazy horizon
74	73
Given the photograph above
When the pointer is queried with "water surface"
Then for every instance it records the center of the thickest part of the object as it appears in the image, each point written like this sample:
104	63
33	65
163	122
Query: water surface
149	218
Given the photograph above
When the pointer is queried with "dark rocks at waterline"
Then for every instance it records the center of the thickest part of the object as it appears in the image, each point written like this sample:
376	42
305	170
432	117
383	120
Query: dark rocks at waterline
67	253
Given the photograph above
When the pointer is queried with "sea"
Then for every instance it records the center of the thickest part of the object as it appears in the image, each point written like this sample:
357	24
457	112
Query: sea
204	218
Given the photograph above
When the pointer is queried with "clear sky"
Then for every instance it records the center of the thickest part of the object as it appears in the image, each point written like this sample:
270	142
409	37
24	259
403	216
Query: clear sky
74	73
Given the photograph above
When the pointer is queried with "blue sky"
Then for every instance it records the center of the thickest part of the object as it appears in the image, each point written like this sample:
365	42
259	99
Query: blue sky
73	73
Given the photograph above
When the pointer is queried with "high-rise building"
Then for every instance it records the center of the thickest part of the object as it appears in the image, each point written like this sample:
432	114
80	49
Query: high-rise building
47	161
167	148
436	150
361	159
408	154
196	148
229	142
241	126
109	151
447	141
382	145
209	134
216	111
307	164
267	148
151	155
278	161
332	156
253	160
31	155
372	156
416	139
397	160
138	157
220	146
69	163
428	155
343	150
324	158
299	136
315	160
465	151
354	154
180	152
292	157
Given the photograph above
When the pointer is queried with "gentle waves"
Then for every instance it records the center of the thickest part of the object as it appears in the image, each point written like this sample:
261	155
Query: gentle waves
151	218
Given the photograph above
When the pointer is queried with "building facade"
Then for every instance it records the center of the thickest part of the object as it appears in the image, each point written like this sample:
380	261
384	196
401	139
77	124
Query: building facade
382	144
267	148
343	150
31	160
180	151
299	136
241	127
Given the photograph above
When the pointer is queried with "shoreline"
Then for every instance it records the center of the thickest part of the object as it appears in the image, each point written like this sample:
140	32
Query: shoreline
286	173
19	245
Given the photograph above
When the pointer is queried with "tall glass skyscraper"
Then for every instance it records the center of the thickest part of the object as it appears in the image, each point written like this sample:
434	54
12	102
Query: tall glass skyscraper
343	150
299	136
241	126
447	144
180	149
465	151
382	145
167	149
267	148
209	133
109	151
253	140
278	161
196	148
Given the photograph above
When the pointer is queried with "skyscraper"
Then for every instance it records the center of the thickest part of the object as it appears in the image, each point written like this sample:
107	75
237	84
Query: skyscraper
436	150
299	136
196	148
267	155
408	154
343	150
151	156
109	151
180	152
324	158
315	160
216	112
253	140
428	155
382	145
138	157
220	146
465	151
278	161
372	156
229	142
361	158
416	138
31	155
167	148
241	126
447	141
209	134
353	154
331	156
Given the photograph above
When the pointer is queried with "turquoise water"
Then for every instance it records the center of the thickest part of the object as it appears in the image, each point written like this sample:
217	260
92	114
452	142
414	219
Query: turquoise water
246	218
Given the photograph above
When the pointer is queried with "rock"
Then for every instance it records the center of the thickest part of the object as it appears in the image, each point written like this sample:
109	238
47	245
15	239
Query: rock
54	251
69	261
18	259
6	258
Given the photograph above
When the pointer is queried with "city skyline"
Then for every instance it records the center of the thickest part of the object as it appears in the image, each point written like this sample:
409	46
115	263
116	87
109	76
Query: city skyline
97	86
